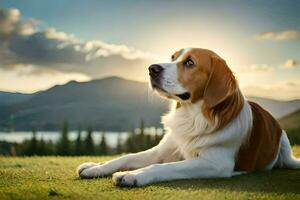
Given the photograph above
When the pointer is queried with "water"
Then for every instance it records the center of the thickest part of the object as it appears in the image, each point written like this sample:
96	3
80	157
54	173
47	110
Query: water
20	136
111	137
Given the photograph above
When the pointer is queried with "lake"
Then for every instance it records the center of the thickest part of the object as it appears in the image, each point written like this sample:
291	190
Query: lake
111	137
20	136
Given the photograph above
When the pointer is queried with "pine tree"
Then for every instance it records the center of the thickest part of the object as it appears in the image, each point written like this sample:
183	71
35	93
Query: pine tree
89	143
32	150
157	138
103	149
119	144
141	137
130	141
148	141
63	146
78	144
42	147
50	148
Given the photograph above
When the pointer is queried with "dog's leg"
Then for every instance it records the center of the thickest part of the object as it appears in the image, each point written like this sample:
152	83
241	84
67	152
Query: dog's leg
286	158
157	154
130	161
213	164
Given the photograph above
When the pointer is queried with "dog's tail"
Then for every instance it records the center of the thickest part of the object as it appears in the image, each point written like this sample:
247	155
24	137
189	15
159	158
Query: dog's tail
286	158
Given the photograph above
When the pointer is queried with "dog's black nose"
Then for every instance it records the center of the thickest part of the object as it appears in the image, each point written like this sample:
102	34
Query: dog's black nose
155	70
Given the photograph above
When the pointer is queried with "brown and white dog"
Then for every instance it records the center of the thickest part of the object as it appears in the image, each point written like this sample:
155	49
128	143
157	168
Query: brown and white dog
213	131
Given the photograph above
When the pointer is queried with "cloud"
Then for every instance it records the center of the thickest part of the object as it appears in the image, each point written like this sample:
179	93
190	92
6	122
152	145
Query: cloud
290	64
27	27
29	69
256	68
278	35
23	80
291	90
23	44
8	20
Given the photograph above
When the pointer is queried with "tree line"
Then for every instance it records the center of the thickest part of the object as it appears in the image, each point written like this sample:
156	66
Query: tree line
137	140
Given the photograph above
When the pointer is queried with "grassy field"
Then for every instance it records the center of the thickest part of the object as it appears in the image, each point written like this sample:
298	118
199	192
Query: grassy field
55	178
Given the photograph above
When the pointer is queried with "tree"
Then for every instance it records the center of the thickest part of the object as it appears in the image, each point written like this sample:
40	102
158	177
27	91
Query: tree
148	141
119	144
63	146
32	149
89	143
157	137
141	139
130	145
50	148
103	149
142	126
42	147
78	144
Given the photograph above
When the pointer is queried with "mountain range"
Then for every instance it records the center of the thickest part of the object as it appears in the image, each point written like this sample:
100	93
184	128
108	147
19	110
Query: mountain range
109	104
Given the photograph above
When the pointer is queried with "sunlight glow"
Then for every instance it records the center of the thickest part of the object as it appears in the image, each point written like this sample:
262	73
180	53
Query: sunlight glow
13	82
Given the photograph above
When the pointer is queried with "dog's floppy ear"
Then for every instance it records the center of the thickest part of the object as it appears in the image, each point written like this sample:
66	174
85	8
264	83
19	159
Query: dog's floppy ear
221	83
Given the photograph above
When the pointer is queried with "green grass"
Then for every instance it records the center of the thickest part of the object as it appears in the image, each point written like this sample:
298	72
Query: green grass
55	178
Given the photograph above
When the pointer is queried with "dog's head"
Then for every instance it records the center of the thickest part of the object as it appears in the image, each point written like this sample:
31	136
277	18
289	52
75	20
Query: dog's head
194	74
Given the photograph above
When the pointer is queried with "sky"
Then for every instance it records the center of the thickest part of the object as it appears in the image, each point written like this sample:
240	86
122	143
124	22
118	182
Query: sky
44	43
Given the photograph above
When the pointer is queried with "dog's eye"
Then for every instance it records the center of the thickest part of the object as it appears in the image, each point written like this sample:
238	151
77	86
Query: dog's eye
172	57
189	62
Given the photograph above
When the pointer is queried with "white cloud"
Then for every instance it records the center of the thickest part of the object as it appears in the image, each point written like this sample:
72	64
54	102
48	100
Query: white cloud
53	34
27	27
290	64
30	70
51	50
278	35
97	48
290	88
8	20
256	68
20	80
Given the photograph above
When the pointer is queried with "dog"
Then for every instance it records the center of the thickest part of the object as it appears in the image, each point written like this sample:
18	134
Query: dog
213	131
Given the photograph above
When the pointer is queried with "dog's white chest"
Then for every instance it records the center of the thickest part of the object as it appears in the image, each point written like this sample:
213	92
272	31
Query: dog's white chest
187	126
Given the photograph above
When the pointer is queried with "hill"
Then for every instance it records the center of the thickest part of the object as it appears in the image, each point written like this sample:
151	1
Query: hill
109	104
291	121
277	108
291	124
7	98
55	178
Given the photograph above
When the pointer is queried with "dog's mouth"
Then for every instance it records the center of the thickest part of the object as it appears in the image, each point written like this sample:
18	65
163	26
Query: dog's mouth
160	90
184	96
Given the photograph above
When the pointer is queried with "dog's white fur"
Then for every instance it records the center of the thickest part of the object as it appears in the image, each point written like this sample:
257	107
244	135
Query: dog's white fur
184	154
188	150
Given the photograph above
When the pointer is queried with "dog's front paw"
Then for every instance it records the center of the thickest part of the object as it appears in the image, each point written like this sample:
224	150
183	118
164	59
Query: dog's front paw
90	170
84	166
128	179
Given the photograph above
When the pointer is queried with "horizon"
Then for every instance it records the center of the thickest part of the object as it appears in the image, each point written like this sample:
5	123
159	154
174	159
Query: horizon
49	43
122	78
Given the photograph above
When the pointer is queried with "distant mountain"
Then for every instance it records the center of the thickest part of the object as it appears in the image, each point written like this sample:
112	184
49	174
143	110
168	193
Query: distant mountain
7	98
277	108
109	104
